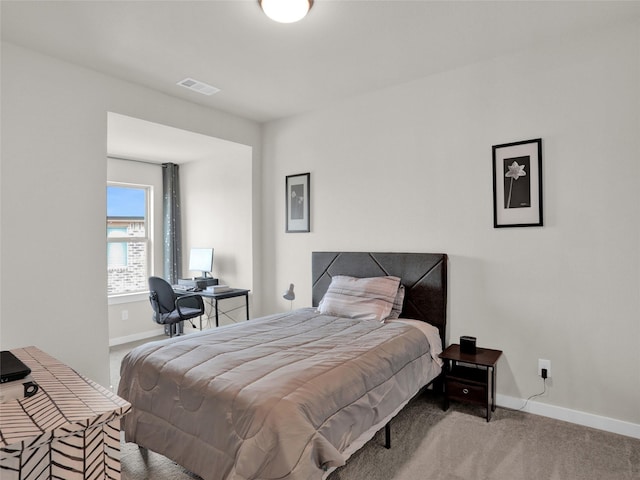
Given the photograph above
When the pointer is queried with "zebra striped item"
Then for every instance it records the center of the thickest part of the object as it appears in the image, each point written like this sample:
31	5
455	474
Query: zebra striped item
70	429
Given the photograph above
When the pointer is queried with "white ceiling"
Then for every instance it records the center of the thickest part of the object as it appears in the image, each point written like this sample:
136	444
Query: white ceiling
135	139
267	70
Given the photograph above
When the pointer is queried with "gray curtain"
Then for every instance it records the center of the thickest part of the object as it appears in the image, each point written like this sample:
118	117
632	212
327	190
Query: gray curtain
172	231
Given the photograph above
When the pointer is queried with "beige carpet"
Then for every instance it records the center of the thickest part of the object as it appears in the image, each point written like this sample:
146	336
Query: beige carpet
429	444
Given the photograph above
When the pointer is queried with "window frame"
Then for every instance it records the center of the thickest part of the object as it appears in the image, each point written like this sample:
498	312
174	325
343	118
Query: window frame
148	239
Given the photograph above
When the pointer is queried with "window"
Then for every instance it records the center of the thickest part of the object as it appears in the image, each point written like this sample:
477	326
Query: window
128	238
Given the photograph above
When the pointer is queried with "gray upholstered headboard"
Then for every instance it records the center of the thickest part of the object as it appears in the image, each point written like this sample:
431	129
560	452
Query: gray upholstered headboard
424	276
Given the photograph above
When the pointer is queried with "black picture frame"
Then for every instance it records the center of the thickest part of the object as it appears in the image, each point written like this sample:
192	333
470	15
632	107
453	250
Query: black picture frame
298	203
517	184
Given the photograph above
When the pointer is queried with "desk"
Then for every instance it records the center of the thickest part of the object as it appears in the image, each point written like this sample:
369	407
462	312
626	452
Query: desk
69	429
234	292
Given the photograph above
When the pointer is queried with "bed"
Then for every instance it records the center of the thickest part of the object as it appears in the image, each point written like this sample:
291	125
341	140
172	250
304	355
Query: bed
292	395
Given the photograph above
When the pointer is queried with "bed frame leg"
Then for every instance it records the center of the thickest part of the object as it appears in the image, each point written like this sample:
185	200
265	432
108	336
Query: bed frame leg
387	435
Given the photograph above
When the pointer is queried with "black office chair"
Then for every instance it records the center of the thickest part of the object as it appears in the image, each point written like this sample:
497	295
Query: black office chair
169	308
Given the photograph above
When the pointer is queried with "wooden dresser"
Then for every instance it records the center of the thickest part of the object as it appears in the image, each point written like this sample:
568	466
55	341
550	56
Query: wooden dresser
69	429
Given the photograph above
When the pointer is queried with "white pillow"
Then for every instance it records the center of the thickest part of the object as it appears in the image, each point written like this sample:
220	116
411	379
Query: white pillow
362	298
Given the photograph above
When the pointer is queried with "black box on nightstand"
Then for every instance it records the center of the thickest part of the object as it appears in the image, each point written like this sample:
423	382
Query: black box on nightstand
468	344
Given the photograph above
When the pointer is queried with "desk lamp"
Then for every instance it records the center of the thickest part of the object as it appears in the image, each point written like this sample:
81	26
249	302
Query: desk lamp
290	295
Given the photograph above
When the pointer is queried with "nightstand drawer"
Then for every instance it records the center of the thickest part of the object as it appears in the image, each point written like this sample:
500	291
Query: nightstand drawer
466	392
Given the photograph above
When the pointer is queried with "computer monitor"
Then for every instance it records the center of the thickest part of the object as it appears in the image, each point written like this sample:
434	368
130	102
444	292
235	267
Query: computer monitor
201	259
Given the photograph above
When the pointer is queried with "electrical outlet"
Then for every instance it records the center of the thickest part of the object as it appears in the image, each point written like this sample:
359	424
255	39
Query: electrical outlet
544	364
125	314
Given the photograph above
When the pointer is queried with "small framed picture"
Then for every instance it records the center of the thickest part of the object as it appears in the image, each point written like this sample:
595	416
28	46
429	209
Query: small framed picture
297	203
517	184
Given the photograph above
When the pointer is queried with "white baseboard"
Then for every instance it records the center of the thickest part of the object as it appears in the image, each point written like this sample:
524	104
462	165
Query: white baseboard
135	337
573	416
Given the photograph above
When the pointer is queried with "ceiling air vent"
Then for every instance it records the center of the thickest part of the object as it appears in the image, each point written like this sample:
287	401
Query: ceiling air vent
197	86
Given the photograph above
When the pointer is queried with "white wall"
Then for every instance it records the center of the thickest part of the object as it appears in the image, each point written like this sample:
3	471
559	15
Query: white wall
54	127
217	212
409	169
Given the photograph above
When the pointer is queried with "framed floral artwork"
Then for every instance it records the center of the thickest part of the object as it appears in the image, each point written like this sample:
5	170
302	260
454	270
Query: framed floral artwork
297	203
517	184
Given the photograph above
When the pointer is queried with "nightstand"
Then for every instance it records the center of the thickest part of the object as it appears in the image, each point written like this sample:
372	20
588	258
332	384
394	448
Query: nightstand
470	378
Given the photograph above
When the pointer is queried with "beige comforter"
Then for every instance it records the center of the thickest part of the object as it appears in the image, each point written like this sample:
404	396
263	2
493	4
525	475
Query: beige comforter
277	398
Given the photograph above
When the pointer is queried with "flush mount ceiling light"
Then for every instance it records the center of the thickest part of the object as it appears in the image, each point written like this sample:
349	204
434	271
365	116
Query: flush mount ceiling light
286	11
